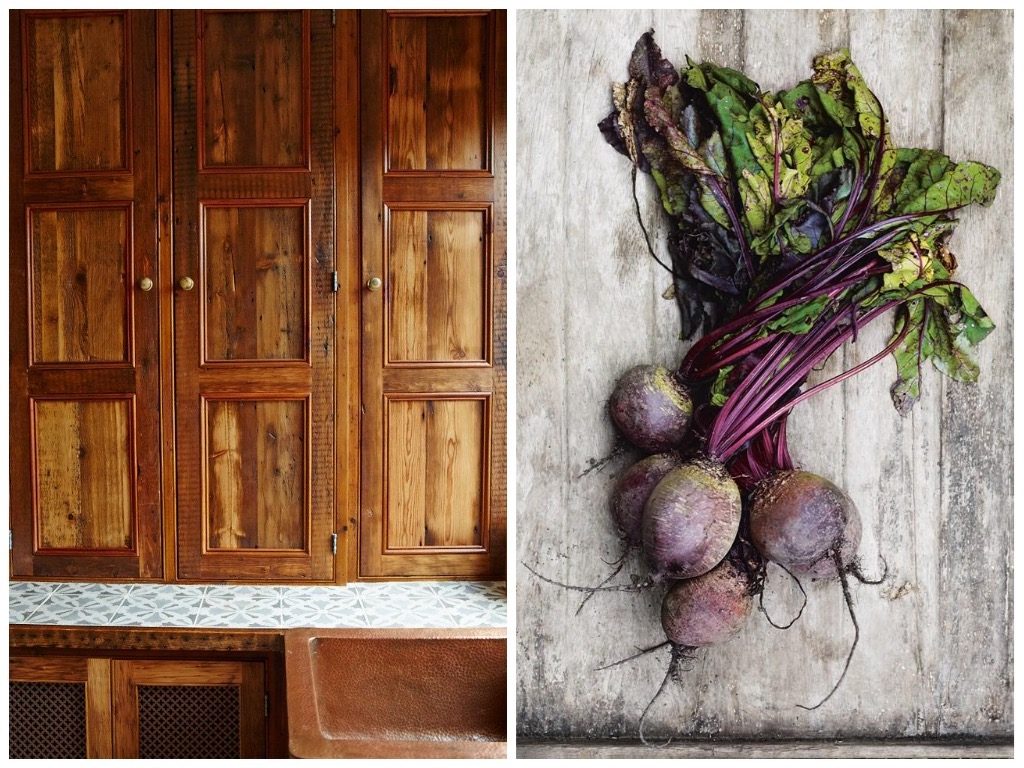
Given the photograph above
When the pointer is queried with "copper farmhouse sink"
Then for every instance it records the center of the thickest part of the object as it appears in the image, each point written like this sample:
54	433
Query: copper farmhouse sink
396	692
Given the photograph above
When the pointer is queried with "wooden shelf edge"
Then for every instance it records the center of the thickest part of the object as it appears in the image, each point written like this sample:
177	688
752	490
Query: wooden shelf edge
37	637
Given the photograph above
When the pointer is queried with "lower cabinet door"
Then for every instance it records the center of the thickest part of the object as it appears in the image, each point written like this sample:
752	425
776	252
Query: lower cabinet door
188	709
59	708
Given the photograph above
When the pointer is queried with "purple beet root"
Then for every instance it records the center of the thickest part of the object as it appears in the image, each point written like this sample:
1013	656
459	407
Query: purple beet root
634	488
801	520
709	609
690	520
651	408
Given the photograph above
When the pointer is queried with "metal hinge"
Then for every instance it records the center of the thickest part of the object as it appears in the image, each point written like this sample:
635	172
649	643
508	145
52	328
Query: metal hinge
334	282
334	17
10	539
334	543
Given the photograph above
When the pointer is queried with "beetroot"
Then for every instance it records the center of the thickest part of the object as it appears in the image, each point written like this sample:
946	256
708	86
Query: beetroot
651	408
702	611
709	609
634	488
801	520
691	520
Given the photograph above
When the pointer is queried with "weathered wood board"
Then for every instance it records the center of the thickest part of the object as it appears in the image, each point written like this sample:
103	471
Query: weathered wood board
934	489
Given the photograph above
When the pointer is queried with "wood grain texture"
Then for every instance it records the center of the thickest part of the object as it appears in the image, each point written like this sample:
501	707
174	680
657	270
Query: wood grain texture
255	258
437	92
42	638
435	452
262	254
80	237
255	464
77	88
437	305
80	284
83	469
129	675
99	731
253	88
421	233
933	489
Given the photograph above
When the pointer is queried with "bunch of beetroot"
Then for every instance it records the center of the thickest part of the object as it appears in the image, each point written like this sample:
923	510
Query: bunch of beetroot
794	222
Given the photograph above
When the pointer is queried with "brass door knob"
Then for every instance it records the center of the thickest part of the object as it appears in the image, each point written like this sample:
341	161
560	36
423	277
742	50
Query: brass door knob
374	283
187	283
145	284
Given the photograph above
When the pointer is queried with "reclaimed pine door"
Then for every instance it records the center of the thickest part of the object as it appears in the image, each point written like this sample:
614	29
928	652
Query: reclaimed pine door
254	302
85	447
433	396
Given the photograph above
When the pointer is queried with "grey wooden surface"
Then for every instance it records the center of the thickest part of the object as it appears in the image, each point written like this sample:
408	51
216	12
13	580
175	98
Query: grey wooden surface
799	748
934	489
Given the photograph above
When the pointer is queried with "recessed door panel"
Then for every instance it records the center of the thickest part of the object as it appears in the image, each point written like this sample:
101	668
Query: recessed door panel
85	499
436	470
438	272
255	288
80	273
256	474
253	89
76	105
438	83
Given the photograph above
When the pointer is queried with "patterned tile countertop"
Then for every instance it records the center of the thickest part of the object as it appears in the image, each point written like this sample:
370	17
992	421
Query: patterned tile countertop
391	604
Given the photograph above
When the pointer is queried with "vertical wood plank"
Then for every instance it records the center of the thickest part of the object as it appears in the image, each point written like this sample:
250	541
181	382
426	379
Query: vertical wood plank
408	254
58	441
407	93
455	453
99	726
977	437
252	720
225	468
280	462
583	270
124	709
407	470
107	488
456	297
455	96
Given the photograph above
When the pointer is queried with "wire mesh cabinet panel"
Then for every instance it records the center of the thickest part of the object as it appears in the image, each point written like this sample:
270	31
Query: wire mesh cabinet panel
188	709
59	708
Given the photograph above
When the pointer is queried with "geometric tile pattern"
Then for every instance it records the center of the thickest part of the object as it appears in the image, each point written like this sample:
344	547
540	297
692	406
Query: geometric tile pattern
379	604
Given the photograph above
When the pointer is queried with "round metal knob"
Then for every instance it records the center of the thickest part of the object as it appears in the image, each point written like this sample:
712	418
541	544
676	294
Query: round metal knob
187	283
145	284
374	283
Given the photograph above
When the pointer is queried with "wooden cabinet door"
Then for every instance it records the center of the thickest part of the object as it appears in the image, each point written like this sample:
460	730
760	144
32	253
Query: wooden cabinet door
433	397
188	709
85	452
59	708
254	302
